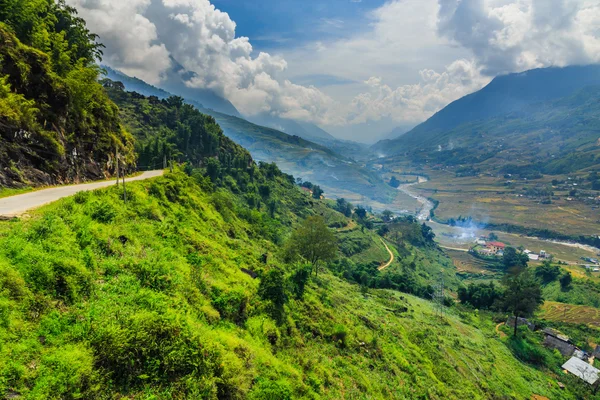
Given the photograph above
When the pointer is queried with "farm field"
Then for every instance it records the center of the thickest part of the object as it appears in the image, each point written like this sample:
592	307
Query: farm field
486	199
570	313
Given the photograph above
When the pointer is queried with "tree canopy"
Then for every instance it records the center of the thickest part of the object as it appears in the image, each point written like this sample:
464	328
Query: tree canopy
313	241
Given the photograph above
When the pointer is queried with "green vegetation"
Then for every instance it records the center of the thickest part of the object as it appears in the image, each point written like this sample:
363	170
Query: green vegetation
153	298
54	115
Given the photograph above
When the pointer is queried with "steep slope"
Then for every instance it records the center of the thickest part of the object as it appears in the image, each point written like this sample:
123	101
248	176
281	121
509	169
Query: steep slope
339	175
505	94
56	123
555	137
157	298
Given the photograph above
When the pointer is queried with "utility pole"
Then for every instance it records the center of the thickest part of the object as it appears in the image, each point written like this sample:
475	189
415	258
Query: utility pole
117	161
124	189
438	296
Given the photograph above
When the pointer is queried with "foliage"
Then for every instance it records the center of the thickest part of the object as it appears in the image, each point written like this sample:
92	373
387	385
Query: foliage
482	296
54	115
522	296
547	272
314	242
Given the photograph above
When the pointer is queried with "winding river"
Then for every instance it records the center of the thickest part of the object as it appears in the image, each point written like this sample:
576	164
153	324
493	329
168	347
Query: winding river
452	236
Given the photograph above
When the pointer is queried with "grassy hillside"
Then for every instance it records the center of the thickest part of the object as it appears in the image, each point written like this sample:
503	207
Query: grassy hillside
154	298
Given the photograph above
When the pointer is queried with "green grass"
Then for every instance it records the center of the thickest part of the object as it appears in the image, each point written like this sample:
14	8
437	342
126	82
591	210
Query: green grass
148	300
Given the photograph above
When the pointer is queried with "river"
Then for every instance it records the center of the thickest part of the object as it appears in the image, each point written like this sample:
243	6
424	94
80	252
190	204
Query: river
452	236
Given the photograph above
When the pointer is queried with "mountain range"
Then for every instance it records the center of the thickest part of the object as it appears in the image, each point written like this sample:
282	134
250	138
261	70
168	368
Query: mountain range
325	161
505	95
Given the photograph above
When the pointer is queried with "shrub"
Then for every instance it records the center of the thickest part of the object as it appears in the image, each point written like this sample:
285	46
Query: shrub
103	212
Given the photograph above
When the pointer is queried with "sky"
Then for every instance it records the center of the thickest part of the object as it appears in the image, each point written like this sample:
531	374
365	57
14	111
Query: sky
357	68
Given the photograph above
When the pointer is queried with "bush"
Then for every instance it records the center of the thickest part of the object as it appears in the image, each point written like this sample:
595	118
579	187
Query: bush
102	212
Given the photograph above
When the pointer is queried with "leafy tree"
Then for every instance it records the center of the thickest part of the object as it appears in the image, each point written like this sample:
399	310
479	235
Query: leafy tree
394	182
482	296
272	288
547	272
314	242
299	279
427	233
522	295
565	281
317	192
492	237
514	260
361	212
387	215
213	169
344	207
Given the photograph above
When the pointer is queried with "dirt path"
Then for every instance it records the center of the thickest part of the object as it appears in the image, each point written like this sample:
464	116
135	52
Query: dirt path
391	257
454	248
17	205
498	331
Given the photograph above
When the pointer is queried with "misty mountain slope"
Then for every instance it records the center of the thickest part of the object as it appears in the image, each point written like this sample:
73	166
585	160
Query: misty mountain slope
553	137
505	94
293	154
174	83
305	159
305	130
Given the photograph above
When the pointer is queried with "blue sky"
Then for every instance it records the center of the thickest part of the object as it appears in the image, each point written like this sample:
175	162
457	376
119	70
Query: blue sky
355	68
276	24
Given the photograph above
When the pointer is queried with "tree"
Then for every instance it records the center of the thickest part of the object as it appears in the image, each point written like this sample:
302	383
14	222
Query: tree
213	169
394	182
513	260
299	279
565	281
360	212
492	237
387	215
317	191
522	296
547	272
313	241
427	233
272	288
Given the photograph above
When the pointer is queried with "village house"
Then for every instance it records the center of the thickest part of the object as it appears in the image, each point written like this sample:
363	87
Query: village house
556	340
533	257
495	247
583	370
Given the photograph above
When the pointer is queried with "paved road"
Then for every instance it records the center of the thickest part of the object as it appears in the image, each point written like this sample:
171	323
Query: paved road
391	257
16	205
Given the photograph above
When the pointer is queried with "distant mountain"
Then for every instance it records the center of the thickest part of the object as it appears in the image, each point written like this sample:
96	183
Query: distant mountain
505	94
338	174
397	132
174	84
305	130
560	136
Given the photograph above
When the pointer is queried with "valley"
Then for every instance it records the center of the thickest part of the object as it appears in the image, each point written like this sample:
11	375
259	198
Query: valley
247	253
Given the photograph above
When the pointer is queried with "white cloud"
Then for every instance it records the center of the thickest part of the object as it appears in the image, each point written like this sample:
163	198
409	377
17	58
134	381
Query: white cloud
414	103
130	37
413	56
140	35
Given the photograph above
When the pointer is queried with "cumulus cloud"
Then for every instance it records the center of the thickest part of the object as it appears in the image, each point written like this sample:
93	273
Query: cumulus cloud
523	34
130	38
142	35
414	103
413	57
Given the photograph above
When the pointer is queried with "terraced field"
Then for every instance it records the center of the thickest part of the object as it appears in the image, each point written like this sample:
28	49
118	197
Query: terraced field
570	313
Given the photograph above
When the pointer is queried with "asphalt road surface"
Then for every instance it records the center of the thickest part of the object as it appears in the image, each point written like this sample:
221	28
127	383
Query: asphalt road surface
17	205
